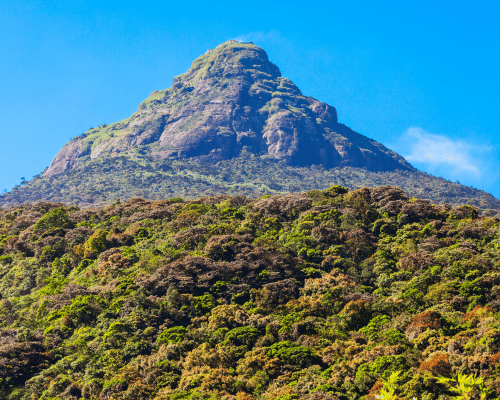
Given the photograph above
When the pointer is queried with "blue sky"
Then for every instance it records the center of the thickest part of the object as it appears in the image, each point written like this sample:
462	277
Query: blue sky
421	77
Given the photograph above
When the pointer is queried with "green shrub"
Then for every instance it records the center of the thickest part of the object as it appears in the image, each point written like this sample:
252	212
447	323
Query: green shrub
246	335
172	335
372	330
95	244
201	305
57	218
292	353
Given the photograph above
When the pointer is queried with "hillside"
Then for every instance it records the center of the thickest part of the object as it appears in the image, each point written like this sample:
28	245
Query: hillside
324	294
103	181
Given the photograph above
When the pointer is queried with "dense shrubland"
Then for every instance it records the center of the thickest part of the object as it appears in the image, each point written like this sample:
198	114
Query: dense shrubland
321	295
102	181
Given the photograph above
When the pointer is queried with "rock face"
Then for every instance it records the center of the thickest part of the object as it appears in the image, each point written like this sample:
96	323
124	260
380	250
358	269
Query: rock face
232	99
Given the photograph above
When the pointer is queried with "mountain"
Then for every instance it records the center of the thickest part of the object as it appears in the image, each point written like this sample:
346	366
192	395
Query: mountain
232	98
230	123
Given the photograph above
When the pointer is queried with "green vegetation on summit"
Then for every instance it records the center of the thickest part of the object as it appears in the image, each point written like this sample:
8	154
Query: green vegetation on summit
322	295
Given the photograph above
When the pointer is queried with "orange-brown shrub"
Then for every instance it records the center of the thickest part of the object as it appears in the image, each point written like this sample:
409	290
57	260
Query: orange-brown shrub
243	396
79	250
422	322
494	359
375	391
477	313
66	321
438	363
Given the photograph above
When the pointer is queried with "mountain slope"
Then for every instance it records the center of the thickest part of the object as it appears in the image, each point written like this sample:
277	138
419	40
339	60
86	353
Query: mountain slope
102	181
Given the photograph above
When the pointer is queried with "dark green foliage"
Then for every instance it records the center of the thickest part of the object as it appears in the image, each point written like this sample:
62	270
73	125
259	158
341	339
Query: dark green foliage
292	353
201	305
278	297
172	335
243	335
57	218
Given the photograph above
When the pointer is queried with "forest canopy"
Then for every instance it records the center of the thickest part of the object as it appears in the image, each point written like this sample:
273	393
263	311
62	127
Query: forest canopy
324	294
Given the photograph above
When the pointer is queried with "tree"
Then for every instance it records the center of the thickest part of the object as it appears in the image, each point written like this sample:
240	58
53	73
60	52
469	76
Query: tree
57	218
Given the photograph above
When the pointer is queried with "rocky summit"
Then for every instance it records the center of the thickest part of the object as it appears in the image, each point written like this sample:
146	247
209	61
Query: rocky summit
232	99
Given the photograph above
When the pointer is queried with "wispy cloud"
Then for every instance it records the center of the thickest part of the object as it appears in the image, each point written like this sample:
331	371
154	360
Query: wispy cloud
262	37
439	152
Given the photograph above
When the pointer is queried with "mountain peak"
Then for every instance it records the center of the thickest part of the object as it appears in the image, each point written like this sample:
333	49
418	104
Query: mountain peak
232	58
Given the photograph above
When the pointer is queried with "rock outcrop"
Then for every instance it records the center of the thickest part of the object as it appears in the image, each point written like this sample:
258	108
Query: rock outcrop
232	99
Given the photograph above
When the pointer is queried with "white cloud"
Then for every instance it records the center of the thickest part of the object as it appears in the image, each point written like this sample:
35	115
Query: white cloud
261	37
441	152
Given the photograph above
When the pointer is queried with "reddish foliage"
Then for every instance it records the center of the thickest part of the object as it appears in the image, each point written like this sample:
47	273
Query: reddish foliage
476	314
417	211
78	235
358	236
464	212
110	261
422	322
10	245
81	216
431	244
474	231
326	235
44	206
280	292
117	239
283	206
27	219
225	247
375	391
190	237
437	363
156	213
196	274
21	360
390	199
66	321
494	359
